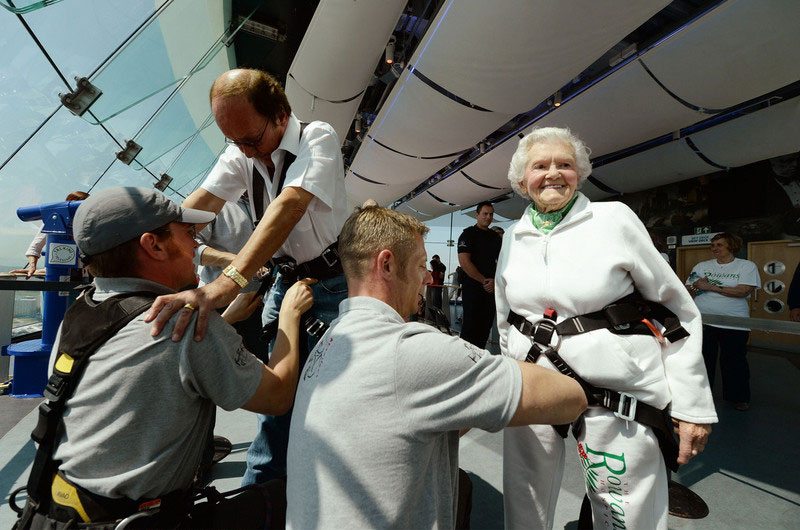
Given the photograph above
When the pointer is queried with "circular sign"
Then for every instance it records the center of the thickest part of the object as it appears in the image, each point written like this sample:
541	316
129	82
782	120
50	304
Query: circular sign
774	287
773	305
775	268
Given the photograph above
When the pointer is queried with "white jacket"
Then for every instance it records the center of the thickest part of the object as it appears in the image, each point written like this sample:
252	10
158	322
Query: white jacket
596	255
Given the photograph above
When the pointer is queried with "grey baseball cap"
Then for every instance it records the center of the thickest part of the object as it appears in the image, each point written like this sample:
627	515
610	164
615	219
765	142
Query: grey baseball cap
113	216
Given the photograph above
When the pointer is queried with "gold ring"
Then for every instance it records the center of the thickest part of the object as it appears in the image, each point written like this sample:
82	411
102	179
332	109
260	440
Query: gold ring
190	307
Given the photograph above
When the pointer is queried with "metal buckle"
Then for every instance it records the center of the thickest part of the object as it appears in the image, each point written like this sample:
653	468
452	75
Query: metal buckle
315	327
324	257
624	398
533	332
622	327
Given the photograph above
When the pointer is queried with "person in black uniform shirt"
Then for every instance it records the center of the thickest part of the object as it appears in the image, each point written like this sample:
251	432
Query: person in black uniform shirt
793	298
478	248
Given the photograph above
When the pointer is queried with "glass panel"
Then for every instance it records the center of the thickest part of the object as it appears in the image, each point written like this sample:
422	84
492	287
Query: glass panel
179	42
67	154
21	7
190	169
181	119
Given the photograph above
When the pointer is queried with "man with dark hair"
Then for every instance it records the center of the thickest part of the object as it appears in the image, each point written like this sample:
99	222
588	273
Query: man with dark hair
294	176
478	248
137	410
437	271
386	455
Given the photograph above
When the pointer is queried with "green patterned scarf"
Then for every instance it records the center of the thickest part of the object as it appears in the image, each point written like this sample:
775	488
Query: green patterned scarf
545	222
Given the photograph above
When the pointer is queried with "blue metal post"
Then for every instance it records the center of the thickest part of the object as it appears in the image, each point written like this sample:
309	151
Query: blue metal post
61	255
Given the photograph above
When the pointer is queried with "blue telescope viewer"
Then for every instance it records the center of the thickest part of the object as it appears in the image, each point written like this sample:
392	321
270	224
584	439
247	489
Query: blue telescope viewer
61	257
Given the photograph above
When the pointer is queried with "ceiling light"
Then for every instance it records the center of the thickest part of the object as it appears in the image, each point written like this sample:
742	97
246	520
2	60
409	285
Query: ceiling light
390	50
358	122
557	99
483	148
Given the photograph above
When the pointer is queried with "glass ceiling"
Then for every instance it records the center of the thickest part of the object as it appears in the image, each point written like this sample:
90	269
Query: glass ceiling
154	61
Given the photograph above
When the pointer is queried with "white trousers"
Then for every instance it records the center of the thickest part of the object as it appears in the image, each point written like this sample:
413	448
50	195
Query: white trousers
624	472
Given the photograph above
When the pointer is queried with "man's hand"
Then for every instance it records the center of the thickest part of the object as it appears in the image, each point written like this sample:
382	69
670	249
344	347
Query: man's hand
242	307
488	285
794	315
30	269
693	438
218	293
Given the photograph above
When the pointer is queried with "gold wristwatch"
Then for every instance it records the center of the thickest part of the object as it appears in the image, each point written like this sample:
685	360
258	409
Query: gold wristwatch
233	273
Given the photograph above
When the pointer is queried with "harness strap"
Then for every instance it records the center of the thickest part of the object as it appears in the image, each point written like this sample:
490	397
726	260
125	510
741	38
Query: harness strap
624	405
76	345
258	180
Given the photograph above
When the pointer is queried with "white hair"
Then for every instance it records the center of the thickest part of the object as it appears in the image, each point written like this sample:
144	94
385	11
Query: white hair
516	170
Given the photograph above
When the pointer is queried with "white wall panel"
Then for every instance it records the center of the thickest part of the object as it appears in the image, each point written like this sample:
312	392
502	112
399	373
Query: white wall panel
738	51
509	55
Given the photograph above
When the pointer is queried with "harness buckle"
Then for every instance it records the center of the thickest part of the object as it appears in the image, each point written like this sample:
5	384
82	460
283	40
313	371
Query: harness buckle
626	401
334	257
621	327
549	329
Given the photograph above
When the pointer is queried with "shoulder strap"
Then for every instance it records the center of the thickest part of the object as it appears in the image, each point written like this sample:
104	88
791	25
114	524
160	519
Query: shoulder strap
87	326
258	180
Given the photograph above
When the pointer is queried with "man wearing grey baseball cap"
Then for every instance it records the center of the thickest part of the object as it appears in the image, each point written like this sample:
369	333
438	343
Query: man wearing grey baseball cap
137	410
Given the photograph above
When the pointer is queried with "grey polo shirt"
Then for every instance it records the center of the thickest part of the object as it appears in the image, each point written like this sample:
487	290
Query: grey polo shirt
374	435
138	420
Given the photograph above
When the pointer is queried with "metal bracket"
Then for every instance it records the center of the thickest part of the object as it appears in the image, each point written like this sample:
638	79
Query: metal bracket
79	101
162	184
127	155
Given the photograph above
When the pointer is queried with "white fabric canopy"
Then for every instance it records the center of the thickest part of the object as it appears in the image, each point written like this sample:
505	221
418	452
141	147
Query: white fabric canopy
308	108
342	44
509	56
624	109
419	121
671	162
740	50
771	132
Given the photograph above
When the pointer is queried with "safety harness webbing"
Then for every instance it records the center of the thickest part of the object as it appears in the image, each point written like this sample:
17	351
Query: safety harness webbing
624	405
258	180
78	342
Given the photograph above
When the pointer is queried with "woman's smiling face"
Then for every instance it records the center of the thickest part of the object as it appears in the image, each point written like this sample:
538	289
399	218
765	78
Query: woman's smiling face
550	175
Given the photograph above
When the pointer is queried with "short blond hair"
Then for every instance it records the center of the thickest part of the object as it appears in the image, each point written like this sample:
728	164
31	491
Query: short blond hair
372	229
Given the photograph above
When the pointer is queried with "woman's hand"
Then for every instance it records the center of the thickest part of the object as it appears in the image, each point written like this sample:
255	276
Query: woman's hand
242	307
30	269
298	299
693	438
703	284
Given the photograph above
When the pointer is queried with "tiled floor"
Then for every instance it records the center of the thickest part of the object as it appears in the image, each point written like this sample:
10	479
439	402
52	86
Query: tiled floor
748	475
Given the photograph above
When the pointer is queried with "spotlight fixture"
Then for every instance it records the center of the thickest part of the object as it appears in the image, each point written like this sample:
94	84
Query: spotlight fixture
482	147
358	123
557	99
390	50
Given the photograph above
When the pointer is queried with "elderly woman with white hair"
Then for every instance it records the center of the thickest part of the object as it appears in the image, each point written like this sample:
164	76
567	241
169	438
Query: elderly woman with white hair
581	288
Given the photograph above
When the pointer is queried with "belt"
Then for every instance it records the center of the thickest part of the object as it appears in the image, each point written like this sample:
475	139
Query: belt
325	266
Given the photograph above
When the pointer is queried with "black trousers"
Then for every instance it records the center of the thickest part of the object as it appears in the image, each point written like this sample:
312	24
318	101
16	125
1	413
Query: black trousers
479	313
730	345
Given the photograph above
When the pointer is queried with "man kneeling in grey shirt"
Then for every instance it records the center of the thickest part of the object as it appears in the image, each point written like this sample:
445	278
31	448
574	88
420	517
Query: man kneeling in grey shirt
380	402
138	421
